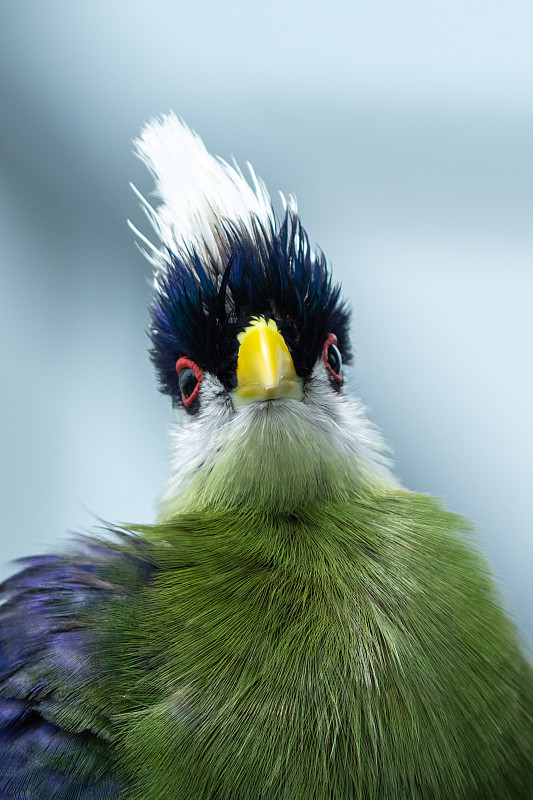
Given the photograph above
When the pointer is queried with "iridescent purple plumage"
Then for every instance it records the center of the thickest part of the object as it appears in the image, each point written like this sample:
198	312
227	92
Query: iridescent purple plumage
48	748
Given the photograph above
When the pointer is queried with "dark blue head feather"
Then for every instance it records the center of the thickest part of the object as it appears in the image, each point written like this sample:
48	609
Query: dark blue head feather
200	308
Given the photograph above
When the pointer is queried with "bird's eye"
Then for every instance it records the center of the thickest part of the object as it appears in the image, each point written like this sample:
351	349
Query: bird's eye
189	378
332	357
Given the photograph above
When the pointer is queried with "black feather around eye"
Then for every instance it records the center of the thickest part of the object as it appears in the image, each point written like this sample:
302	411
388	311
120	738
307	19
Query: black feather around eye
200	305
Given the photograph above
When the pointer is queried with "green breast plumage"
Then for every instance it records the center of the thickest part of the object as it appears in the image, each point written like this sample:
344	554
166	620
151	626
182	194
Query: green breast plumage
354	649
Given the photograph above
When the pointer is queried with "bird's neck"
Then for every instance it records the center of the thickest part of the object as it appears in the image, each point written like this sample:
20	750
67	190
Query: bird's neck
271	482
275	458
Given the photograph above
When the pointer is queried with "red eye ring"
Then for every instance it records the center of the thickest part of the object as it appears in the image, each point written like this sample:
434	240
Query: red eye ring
186	363
331	339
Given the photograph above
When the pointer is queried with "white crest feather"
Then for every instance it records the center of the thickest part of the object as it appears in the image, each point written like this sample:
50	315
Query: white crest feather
198	191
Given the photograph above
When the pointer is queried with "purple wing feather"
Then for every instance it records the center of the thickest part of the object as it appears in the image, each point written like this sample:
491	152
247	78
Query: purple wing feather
45	653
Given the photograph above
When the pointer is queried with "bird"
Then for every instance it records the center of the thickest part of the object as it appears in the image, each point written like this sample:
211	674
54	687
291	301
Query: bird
295	625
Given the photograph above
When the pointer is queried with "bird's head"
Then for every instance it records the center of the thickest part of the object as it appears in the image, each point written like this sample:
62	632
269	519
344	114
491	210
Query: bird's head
250	338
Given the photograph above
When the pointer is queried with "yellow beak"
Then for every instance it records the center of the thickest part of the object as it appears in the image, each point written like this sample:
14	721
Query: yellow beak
265	369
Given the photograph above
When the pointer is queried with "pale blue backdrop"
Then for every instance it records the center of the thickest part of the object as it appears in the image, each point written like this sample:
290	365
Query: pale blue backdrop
406	132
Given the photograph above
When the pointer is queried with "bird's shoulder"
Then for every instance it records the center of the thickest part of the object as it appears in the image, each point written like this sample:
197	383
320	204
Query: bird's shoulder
54	742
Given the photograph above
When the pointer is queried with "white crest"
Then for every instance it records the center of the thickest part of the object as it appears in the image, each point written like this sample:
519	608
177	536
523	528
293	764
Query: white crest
199	192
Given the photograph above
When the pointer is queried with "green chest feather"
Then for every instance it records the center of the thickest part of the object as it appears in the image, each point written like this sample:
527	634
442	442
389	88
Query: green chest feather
352	651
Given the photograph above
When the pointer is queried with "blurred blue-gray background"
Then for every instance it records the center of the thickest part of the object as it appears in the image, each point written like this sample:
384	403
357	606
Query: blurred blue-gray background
406	132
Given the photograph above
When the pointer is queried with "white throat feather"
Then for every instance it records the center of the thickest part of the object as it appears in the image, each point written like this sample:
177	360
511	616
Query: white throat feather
278	455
